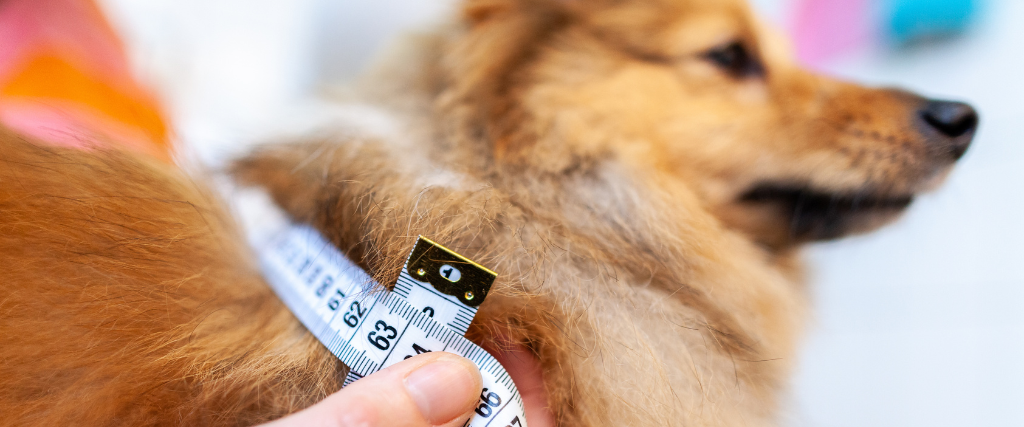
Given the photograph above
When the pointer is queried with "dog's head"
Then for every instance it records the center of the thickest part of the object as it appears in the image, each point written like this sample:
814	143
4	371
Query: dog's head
699	92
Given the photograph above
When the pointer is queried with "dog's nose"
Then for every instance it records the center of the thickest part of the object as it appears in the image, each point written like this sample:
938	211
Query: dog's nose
954	122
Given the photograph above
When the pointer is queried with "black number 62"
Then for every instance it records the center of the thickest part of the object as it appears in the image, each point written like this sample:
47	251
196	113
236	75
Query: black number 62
380	341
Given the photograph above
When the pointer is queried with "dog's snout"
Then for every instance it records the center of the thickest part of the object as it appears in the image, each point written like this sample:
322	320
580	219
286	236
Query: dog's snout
953	122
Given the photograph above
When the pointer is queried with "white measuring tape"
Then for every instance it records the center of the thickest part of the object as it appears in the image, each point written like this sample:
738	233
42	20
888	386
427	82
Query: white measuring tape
428	310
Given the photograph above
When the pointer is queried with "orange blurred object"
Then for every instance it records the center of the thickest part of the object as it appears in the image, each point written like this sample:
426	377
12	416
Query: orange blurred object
64	78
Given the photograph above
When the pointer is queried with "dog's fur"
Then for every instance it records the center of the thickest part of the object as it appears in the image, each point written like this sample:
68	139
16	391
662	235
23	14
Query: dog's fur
642	199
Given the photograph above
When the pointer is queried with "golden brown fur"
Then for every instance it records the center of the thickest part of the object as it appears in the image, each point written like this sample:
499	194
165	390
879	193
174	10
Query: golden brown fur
635	197
127	299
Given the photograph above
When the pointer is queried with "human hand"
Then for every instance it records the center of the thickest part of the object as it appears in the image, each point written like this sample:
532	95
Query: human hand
431	389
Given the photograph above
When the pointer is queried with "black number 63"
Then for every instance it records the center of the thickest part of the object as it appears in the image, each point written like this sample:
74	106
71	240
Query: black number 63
380	341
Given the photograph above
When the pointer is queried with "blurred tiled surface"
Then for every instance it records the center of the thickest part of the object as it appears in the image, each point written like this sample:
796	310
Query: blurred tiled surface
920	324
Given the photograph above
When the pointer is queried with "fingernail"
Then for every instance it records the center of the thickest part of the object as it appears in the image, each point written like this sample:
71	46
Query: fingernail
444	388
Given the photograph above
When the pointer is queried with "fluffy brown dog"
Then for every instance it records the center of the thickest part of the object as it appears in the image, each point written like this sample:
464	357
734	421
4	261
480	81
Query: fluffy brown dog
640	173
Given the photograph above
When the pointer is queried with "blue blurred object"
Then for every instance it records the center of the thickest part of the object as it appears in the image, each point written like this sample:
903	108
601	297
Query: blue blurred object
909	20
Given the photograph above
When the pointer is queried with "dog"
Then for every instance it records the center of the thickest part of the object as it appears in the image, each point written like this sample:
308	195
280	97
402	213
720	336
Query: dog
641	173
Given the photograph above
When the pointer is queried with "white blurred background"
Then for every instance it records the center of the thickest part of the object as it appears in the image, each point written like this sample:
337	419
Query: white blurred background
921	324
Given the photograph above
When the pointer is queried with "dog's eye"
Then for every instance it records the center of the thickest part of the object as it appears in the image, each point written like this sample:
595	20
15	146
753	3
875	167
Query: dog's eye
735	59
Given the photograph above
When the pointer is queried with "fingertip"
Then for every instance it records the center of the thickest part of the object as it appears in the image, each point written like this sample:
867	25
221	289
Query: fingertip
444	388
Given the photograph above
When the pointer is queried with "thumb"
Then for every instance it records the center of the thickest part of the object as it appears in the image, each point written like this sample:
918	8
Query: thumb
431	389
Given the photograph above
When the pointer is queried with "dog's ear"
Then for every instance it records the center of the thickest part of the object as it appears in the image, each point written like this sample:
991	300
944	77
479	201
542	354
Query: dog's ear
501	39
481	11
476	12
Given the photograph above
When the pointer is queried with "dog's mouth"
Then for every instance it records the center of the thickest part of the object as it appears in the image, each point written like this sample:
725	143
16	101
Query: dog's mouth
815	214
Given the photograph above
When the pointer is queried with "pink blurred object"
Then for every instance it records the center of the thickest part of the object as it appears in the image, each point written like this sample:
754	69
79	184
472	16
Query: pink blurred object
824	29
65	79
26	25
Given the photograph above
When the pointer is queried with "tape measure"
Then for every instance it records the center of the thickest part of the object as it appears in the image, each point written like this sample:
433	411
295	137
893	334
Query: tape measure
430	309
